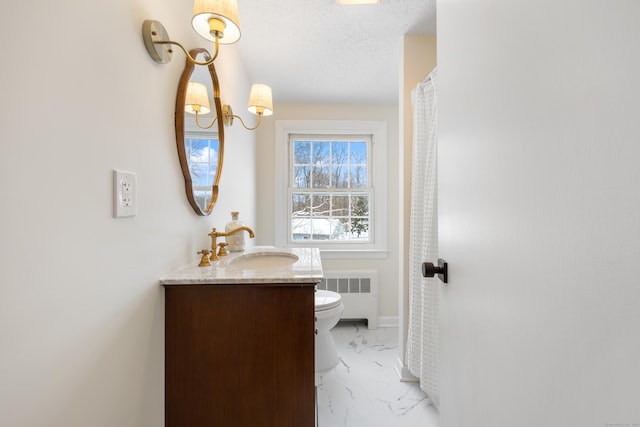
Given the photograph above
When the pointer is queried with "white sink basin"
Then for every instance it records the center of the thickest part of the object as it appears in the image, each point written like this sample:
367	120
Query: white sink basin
263	260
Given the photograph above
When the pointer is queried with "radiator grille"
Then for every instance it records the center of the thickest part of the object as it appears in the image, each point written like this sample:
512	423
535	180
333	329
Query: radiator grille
352	285
359	291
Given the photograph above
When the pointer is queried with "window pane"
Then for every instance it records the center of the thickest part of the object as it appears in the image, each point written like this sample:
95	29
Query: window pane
359	228
358	153
337	230
302	152
340	153
339	177
339	205
302	176
359	216
320	154
321	229
358	176
360	205
301	228
320	205
320	178
300	204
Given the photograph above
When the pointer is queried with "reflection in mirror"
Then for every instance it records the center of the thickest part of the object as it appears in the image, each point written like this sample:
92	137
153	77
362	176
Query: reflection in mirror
200	143
202	155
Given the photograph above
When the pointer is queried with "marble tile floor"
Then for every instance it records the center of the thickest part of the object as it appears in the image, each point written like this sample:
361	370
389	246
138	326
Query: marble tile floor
364	389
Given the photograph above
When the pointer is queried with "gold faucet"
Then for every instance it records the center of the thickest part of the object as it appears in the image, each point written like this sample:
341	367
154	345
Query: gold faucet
214	242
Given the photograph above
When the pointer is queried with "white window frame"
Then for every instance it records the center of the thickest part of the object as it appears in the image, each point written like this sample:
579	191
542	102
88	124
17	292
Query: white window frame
377	247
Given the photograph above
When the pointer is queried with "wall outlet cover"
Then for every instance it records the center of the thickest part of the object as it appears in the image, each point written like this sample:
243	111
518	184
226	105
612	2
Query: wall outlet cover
125	200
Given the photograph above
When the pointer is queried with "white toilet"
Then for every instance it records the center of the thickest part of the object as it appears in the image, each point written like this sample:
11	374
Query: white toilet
328	311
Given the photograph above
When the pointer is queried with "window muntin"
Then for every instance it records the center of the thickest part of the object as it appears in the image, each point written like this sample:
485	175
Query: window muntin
330	191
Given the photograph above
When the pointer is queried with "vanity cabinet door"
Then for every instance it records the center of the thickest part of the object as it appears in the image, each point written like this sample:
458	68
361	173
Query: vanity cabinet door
239	355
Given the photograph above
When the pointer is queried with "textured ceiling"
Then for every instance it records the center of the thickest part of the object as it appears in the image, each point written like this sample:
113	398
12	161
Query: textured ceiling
318	51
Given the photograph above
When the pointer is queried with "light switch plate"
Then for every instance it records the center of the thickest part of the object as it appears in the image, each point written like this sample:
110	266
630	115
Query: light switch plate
125	198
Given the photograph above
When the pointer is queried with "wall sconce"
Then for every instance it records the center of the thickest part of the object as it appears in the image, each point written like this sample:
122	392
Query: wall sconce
214	20
260	104
217	21
197	102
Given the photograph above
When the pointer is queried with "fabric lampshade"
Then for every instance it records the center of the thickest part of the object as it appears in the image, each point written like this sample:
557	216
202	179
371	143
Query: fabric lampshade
260	100
197	99
223	10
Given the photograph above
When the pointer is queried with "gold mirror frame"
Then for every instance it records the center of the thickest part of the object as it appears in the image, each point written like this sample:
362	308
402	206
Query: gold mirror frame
180	131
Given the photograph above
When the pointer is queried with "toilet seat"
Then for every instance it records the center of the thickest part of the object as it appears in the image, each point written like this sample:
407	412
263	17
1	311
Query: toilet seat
326	300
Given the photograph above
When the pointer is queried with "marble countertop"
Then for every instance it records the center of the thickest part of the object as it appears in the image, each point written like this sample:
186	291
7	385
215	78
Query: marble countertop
307	269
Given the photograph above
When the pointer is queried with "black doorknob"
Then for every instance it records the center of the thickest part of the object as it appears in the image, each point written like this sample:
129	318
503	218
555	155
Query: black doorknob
442	270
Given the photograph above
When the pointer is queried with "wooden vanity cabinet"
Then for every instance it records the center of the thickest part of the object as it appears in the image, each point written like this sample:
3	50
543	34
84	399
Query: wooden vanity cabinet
239	355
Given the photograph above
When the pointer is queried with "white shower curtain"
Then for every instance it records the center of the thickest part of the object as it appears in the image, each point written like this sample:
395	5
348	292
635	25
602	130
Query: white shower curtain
423	335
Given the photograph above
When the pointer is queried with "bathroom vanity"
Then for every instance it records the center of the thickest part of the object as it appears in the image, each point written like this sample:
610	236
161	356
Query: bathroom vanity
239	341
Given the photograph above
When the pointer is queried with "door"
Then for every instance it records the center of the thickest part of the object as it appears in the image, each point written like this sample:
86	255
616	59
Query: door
539	212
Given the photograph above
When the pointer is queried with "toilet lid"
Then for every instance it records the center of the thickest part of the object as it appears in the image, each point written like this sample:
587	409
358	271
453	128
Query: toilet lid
327	299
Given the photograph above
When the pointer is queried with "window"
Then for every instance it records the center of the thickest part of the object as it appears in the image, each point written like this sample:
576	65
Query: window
330	186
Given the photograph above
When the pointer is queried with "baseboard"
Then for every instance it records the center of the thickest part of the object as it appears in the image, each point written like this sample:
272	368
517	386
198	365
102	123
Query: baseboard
388	321
403	372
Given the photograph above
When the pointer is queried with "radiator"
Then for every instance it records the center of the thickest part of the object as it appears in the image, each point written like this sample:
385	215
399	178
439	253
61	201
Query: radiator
359	291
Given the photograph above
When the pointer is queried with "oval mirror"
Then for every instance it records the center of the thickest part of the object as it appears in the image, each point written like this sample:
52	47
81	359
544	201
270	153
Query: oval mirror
200	142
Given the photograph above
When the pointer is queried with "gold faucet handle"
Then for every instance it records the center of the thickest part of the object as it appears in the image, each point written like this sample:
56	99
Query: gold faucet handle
223	250
204	261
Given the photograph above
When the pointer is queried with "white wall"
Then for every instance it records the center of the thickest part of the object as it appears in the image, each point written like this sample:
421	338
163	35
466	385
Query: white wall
388	268
538	150
81	311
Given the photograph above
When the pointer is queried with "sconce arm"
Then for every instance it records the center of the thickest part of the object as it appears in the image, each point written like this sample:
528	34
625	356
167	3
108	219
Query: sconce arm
154	33
228	116
204	127
191	58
